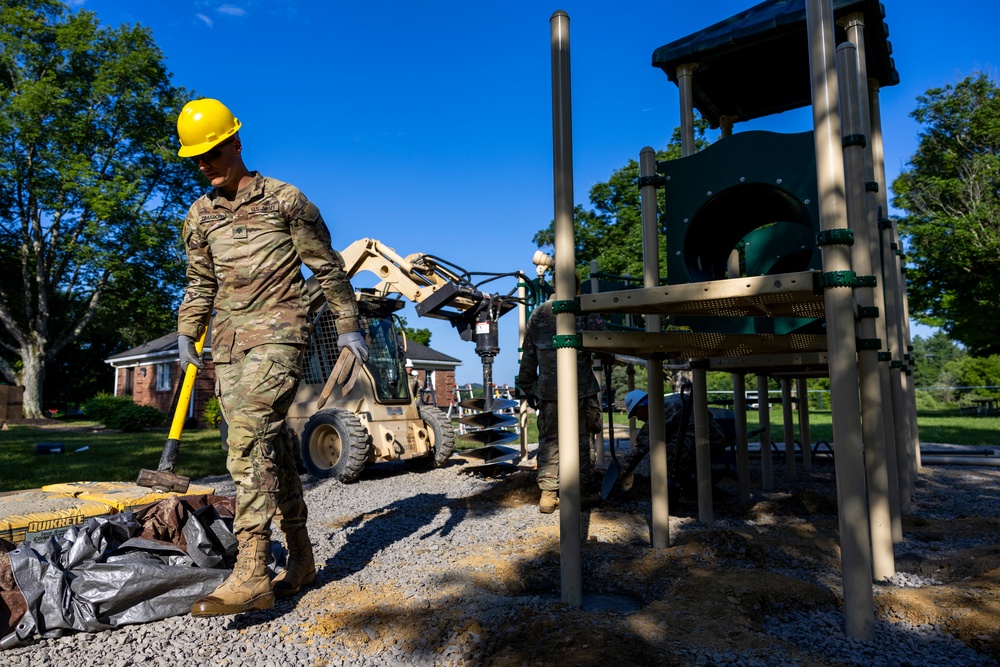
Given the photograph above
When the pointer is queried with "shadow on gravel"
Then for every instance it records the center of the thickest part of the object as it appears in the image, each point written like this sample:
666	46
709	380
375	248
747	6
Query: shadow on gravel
372	532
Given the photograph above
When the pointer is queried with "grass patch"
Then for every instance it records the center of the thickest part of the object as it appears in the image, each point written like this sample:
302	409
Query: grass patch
938	426
110	456
118	457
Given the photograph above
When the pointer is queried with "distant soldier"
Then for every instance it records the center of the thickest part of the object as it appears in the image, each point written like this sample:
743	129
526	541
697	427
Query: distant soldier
246	241
537	379
680	447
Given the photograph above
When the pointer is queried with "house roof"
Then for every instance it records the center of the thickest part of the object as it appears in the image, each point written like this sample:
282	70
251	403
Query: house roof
164	348
416	352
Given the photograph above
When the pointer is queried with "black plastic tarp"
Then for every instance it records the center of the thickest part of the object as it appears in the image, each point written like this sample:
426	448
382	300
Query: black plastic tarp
110	572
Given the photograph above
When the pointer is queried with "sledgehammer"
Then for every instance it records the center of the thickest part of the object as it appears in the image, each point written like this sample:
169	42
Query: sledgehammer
163	478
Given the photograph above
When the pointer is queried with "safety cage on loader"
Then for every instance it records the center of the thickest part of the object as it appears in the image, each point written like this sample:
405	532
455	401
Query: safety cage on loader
385	354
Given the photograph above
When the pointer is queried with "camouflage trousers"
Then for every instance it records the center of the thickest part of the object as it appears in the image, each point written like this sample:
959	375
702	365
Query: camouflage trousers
255	391
548	442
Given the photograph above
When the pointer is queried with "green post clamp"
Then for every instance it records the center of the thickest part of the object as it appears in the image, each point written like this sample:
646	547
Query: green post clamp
560	341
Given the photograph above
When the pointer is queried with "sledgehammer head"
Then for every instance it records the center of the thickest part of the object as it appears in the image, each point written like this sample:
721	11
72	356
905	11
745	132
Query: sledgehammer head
160	480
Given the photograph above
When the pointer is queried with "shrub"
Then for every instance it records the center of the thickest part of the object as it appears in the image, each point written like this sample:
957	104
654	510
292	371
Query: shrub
104	406
134	417
212	413
119	412
926	400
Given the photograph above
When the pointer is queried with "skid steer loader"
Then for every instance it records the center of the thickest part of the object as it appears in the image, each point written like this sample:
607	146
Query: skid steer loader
381	419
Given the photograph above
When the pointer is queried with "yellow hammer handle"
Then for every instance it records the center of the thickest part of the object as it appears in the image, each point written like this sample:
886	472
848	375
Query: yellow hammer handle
180	414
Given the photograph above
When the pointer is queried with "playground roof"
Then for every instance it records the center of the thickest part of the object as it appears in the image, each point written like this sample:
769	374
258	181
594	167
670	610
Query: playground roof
756	63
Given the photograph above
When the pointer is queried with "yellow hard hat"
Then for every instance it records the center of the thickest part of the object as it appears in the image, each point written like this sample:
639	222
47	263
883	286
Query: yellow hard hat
203	124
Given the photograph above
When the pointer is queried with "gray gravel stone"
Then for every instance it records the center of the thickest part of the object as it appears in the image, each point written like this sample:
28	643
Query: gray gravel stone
386	528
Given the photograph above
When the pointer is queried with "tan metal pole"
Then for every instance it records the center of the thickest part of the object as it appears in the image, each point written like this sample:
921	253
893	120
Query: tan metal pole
595	287
726	125
739	387
789	426
703	455
903	322
909	389
854	25
522	411
654	367
859	605
905	462
805	437
630	385
684	85
702	452
872	426
764	410
568	402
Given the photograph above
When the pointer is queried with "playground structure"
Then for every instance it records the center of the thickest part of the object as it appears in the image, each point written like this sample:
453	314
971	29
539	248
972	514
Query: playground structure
781	262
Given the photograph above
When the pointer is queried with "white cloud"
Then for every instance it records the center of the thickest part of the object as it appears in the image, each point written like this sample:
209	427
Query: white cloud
204	18
75	3
231	10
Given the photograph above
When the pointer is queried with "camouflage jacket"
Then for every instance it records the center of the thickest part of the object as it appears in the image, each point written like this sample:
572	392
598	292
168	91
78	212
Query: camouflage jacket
537	374
244	261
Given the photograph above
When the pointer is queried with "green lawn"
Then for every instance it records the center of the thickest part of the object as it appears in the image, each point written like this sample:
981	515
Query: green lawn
118	457
934	426
109	457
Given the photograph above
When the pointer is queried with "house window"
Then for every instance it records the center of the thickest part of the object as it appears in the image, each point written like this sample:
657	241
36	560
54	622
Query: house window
162	377
128	383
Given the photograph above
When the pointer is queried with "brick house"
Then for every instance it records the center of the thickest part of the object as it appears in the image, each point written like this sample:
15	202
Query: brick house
435	373
151	374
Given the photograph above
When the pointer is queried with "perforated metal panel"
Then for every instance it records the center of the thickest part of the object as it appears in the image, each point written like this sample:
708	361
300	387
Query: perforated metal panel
321	353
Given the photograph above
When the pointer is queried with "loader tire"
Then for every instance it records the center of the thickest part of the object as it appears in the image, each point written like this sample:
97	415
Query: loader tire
335	444
442	433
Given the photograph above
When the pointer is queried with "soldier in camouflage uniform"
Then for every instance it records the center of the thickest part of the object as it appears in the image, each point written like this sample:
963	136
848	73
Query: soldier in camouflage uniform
246	241
680	461
537	379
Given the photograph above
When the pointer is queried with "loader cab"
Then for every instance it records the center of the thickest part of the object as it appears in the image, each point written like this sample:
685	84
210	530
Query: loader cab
386	362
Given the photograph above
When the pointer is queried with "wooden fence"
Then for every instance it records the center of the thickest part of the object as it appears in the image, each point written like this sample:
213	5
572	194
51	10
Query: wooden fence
10	402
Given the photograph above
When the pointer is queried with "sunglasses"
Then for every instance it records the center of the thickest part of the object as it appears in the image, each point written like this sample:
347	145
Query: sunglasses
211	155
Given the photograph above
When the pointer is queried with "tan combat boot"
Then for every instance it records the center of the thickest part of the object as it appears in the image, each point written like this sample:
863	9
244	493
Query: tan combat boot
247	588
301	568
548	502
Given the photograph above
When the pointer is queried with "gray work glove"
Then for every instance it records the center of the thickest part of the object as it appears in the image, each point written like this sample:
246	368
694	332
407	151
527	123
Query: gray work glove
355	342
185	346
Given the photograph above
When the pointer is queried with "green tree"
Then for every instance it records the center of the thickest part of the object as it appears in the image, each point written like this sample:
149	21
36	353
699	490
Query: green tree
982	372
422	336
950	191
611	232
137	306
930	357
91	191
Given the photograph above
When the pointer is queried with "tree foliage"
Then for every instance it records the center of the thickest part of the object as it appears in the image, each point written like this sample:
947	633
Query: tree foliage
950	192
931	356
422	336
979	372
611	231
91	191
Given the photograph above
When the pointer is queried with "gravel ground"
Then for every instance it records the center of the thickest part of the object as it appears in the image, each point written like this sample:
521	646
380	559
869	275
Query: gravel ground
444	567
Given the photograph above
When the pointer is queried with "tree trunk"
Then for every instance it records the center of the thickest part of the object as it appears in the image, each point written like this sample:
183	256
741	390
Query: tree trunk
33	379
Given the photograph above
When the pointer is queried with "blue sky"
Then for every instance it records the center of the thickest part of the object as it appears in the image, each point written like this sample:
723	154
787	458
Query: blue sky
428	125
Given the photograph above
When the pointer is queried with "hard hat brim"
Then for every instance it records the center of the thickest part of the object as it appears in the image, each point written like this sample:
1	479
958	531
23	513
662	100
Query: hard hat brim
643	402
205	146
